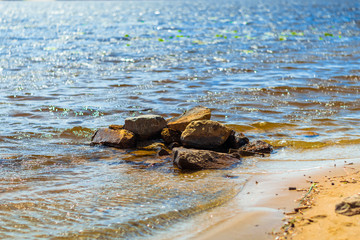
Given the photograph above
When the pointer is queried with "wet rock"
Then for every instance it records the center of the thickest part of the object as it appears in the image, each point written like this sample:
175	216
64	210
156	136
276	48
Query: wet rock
170	135
194	114
154	145
163	152
116	127
143	153
174	145
145	126
114	138
257	147
349	206
205	134
194	159
236	140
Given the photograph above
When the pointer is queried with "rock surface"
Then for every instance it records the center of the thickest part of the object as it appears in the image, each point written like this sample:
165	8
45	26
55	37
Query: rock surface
154	145
114	138
205	134
349	206
170	135
145	126
236	140
116	127
257	147
194	114
193	159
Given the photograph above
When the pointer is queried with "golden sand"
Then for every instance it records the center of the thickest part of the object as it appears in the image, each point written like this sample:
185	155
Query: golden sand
316	218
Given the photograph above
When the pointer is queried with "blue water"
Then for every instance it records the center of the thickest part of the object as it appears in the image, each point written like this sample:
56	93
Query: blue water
283	71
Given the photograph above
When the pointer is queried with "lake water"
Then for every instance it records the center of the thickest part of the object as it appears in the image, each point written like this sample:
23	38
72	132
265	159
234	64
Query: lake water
287	72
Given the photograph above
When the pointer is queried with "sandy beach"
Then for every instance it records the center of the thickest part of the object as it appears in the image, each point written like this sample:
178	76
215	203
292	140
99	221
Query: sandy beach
294	205
316	217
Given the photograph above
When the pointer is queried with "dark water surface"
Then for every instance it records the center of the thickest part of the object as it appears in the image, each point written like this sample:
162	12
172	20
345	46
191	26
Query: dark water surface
284	71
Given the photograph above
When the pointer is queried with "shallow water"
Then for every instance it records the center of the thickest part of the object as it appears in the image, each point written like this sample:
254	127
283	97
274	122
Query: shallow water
282	71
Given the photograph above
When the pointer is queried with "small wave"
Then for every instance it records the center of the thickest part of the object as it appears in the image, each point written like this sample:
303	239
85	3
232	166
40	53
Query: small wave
147	226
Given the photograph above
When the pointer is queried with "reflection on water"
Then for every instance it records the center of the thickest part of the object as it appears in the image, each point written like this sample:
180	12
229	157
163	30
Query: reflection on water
286	72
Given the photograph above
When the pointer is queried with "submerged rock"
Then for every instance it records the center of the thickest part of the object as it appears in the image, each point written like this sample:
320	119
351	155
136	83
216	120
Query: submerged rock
114	138
194	114
163	152
194	159
145	126
349	206
205	134
154	145
257	147
170	135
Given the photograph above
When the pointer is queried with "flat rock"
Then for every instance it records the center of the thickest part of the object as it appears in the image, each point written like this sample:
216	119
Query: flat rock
205	134
170	135
349	206
145	126
114	138
194	114
194	159
116	127
153	144
257	147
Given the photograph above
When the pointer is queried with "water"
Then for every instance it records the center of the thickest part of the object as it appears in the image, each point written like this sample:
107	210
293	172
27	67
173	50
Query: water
283	71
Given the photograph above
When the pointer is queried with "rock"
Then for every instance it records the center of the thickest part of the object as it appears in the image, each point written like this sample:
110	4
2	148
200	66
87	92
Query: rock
174	145
114	138
194	114
170	135
257	147
193	159
116	127
163	152
236	140
349	206
145	126
205	134
143	153
154	145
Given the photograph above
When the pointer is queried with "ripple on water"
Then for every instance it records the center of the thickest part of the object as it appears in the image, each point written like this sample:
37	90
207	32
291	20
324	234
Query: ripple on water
67	70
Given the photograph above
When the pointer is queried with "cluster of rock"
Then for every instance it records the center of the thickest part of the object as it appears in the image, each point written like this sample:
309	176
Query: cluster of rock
193	140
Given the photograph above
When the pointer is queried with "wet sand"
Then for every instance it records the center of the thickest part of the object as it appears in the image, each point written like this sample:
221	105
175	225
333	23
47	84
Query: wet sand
268	208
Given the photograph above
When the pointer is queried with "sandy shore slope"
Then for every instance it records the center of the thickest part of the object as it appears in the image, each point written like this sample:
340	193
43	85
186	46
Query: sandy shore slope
316	218
282	206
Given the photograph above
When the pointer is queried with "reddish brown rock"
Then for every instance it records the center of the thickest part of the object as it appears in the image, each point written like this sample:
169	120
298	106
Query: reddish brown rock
205	134
145	126
257	147
194	114
193	159
114	138
170	135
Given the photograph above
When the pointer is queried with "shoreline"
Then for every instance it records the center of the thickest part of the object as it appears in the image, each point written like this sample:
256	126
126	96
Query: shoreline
267	204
